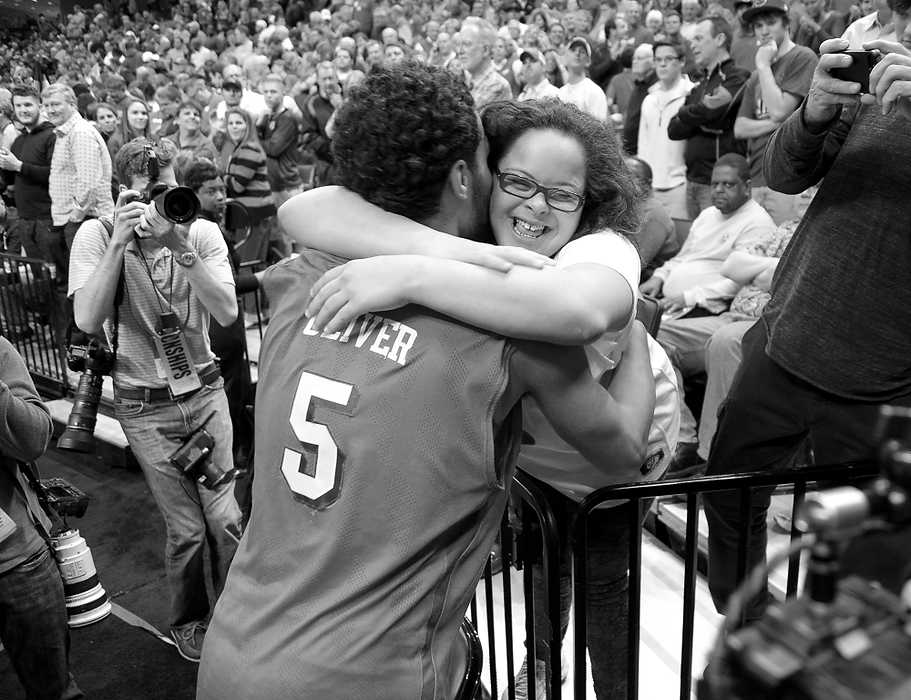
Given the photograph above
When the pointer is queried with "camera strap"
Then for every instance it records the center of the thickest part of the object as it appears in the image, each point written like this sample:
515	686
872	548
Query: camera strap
29	470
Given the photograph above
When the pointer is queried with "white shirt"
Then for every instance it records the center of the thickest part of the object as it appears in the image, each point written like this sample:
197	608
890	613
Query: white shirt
587	96
556	462
695	272
867	28
654	146
538	92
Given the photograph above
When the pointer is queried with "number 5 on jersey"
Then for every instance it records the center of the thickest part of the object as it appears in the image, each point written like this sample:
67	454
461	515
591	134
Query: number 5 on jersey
316	480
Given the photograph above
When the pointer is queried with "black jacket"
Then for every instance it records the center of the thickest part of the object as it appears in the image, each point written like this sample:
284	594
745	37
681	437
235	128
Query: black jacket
34	149
709	133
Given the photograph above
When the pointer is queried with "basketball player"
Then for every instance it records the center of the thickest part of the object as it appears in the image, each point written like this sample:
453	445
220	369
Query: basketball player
385	450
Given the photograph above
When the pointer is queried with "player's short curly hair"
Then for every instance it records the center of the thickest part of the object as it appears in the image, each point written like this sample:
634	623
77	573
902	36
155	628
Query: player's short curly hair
611	192
399	133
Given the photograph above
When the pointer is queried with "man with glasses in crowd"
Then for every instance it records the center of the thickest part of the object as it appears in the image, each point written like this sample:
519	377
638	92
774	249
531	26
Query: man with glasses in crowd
655	147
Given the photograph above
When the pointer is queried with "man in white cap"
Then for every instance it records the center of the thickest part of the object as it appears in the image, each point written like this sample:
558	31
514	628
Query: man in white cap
537	86
579	89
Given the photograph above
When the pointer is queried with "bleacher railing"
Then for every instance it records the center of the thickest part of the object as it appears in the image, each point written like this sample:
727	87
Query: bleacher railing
520	550
691	489
31	319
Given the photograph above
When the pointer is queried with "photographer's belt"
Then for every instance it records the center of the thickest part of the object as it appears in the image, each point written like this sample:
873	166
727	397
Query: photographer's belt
207	377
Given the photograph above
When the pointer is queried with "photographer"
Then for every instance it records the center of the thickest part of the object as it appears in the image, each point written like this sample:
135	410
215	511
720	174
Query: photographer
167	385
33	618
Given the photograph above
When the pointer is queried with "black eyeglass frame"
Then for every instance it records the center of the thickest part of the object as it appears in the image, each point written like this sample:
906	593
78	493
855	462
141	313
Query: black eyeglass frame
503	177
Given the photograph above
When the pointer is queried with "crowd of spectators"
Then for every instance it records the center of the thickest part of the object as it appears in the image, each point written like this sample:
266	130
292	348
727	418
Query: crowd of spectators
251	87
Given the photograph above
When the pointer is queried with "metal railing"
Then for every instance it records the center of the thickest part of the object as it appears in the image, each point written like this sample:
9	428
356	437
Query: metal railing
32	319
691	489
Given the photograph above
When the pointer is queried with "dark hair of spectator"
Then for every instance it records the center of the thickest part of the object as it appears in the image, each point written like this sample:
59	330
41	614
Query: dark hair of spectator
900	6
678	48
626	57
190	104
641	170
611	192
399	133
170	93
771	13
200	171
29	89
132	160
736	161
720	26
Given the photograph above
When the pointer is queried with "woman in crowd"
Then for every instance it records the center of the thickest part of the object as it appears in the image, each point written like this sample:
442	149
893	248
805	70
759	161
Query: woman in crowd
580	216
243	162
134	122
106	120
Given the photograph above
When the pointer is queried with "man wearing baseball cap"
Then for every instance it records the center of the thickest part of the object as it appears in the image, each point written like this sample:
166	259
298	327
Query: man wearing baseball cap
537	86
776	88
579	89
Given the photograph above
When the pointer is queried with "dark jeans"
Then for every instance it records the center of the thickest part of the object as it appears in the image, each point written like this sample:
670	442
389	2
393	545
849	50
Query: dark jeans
33	628
770	416
607	608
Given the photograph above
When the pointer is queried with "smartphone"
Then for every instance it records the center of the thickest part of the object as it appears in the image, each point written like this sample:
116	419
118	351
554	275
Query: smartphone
862	63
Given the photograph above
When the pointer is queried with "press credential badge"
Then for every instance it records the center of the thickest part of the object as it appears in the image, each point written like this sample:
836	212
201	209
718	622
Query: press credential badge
174	356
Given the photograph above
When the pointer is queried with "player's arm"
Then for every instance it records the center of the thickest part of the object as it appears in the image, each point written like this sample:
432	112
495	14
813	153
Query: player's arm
572	305
338	221
609	427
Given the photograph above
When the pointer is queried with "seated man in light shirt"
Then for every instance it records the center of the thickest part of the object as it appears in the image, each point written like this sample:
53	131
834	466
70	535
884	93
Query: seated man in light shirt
691	287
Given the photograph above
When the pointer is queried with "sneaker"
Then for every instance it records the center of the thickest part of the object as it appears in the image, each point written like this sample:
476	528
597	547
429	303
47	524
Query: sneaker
189	639
540	680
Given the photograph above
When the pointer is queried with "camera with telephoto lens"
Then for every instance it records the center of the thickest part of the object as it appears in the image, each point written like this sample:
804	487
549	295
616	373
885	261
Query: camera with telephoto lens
194	458
95	362
177	205
844	637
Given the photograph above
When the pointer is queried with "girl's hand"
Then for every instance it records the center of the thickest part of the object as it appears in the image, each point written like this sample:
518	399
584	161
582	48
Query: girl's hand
350	290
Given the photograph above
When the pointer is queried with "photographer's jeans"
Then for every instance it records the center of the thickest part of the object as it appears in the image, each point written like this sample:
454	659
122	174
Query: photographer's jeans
33	628
192	513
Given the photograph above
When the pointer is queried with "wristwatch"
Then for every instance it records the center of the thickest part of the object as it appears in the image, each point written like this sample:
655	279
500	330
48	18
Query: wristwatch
187	259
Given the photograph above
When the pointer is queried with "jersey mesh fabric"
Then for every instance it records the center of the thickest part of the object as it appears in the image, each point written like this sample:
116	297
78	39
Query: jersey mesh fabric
359	591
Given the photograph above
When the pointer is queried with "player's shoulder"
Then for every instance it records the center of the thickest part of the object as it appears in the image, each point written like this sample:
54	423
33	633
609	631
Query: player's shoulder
297	273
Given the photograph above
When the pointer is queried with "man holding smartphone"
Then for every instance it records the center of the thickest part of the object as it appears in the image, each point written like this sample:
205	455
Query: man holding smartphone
833	342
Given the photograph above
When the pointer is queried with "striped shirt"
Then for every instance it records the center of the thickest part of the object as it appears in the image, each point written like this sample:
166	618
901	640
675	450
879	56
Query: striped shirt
247	178
144	299
80	172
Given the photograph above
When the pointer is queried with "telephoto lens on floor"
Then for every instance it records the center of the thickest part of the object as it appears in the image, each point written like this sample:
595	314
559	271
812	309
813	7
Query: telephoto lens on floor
86	600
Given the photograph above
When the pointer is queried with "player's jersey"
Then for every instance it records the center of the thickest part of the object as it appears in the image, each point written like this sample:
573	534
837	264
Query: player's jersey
382	459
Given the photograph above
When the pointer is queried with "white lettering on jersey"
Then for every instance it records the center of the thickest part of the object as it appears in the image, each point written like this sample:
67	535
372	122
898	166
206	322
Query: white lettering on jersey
382	330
